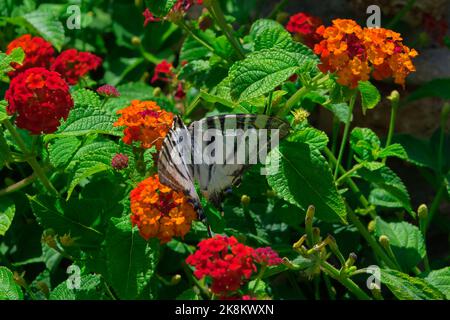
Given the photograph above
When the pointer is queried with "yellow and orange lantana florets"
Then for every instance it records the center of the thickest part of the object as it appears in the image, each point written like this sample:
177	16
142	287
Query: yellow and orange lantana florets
145	122
160	212
354	53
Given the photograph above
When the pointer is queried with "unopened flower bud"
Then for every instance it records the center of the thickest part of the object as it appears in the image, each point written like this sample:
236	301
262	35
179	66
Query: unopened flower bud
384	241
108	91
205	23
300	115
18	278
135	41
351	260
175	279
245	200
394	97
271	193
422	211
157	92
48	237
371	226
119	161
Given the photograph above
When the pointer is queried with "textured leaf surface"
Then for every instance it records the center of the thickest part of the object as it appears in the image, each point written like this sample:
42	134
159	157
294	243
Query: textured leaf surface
131	260
405	239
7	211
90	289
62	150
304	178
262	71
440	279
370	95
405	287
48	27
9	290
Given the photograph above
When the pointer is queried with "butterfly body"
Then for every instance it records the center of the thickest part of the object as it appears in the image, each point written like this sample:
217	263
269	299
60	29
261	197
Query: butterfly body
214	152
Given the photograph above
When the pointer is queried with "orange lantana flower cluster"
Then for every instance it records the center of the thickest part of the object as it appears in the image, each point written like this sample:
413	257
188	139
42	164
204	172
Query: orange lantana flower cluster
145	122
160	212
355	53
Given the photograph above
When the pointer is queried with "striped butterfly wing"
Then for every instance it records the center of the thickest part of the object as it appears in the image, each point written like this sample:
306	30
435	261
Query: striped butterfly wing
175	168
215	177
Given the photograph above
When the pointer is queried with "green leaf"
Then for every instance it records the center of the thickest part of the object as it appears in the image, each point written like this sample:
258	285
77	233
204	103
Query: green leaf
77	217
261	72
435	88
91	288
17	55
405	239
382	198
3	114
269	34
62	150
386	179
340	110
160	8
192	50
315	138
84	98
370	95
83	121
9	290
364	143
92	158
304	178
440	279
405	287
131	260
128	92
47	26
188	294
393	150
7	211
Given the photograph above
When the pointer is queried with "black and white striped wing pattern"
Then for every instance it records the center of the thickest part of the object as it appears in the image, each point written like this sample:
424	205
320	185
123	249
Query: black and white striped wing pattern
215	177
174	167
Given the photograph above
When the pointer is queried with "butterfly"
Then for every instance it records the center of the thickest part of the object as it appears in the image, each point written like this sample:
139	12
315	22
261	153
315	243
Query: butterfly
214	152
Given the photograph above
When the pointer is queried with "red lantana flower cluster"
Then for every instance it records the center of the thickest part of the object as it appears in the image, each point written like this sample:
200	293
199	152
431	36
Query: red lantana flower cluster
108	91
164	71
304	26
38	53
40	98
228	263
73	64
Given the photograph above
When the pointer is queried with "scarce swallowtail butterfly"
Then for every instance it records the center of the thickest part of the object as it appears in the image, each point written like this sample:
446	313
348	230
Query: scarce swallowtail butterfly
214	152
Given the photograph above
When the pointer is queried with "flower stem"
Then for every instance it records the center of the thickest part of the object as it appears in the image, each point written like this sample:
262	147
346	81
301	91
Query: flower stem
345	281
394	110
31	159
371	240
349	173
346	131
217	14
258	278
18	185
436	202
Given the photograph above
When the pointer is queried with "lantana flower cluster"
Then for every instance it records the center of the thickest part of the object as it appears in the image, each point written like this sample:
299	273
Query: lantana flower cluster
178	10
164	71
39	92
160	212
145	123
304	26
355	53
228	263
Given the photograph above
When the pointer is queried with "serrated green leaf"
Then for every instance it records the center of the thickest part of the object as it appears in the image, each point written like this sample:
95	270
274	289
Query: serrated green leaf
315	138
340	110
440	279
62	150
83	121
365	143
262	71
131	260
370	95
91	159
17	55
47	26
76	217
304	178
384	178
7	211
91	288
192	50
9	290
3	113
405	239
270	34
405	287
84	98
393	150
